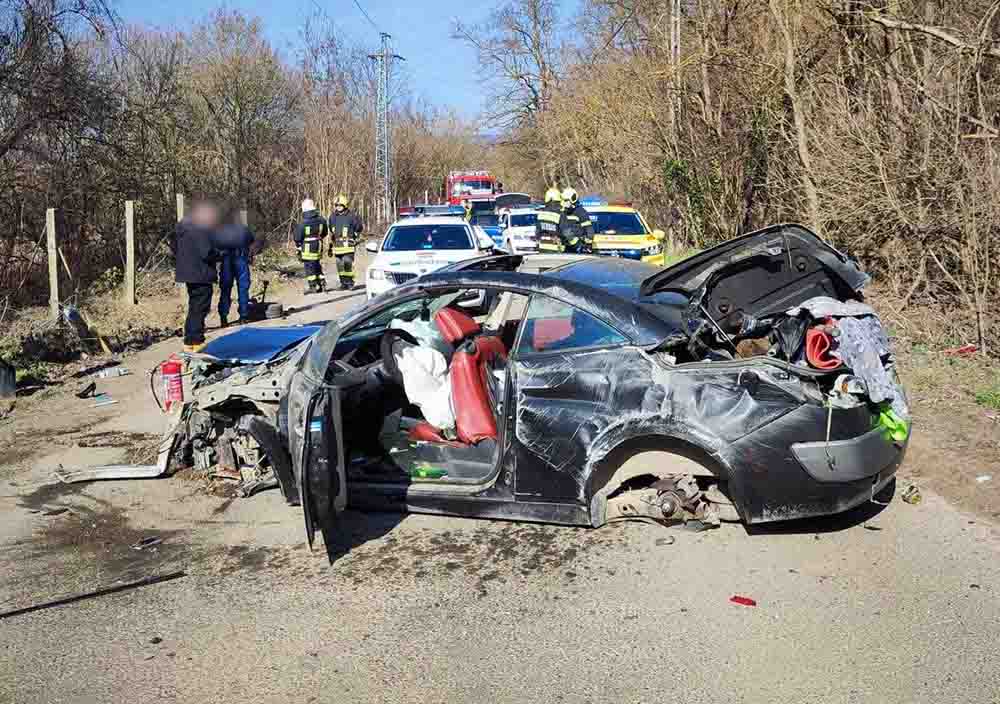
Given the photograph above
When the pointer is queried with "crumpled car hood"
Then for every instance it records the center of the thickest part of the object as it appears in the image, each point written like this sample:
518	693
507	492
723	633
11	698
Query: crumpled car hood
257	345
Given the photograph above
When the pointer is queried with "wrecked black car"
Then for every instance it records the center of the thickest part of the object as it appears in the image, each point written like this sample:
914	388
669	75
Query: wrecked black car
749	382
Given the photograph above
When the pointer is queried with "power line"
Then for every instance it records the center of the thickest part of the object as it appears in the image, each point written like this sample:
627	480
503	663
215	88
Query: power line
370	20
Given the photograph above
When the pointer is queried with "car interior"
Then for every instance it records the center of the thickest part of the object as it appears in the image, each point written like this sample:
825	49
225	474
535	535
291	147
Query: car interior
429	382
464	353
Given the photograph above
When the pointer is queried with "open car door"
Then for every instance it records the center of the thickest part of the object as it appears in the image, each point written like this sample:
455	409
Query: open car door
322	479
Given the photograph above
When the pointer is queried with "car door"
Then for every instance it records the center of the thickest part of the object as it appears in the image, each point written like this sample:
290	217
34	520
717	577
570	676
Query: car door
322	478
567	367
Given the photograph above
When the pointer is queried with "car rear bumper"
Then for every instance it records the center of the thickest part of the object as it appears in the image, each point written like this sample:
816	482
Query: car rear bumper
787	470
844	461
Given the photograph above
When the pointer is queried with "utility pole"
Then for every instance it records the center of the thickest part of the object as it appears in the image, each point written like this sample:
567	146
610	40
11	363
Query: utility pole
675	53
383	135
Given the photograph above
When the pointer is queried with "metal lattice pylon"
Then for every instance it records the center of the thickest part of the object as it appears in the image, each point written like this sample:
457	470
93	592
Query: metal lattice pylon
382	176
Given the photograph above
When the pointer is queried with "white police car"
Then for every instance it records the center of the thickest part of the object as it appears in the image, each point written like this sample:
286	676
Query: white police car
416	246
519	230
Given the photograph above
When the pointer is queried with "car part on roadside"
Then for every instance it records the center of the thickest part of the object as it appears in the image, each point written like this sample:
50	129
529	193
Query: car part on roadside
103	399
112	372
912	495
87	391
742	600
126	471
144	582
148	542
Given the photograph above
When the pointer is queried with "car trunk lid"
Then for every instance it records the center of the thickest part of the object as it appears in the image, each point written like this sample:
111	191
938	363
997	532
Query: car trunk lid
759	274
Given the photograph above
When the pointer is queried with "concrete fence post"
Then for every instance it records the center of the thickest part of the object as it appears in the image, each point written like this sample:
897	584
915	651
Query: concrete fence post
130	253
53	252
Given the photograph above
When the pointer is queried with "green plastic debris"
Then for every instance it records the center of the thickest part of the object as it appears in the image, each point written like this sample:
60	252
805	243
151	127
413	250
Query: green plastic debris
897	428
426	471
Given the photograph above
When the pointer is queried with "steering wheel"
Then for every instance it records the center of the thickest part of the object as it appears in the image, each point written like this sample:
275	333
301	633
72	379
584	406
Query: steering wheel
387	345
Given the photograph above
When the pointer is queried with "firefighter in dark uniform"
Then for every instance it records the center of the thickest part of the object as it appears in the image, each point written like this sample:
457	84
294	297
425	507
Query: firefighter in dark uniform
547	226
309	241
576	229
345	231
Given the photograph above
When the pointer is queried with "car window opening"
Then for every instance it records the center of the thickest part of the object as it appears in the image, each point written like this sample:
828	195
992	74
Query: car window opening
423	385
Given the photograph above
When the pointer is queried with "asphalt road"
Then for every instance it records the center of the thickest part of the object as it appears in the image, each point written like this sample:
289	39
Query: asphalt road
897	605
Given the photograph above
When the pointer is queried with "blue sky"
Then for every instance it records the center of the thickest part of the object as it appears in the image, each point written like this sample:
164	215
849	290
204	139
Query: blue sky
442	70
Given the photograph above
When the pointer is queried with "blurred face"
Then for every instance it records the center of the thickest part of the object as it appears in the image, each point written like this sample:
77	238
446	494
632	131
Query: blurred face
205	214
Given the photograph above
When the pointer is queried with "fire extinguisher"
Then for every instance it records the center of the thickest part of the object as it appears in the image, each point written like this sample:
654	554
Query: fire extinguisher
173	382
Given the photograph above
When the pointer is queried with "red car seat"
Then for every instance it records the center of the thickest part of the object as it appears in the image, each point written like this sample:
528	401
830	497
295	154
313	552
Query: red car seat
475	419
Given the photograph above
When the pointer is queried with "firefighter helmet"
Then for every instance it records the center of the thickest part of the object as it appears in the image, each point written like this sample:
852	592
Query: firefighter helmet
341	201
552	194
570	197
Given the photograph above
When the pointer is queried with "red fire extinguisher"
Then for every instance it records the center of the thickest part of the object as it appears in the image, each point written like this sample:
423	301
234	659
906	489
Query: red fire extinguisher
173	382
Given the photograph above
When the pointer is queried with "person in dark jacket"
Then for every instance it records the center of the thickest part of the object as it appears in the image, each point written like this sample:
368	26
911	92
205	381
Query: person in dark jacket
309	243
345	231
235	239
576	228
196	259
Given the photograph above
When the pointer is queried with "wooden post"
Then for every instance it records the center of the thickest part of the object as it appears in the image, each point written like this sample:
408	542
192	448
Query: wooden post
50	228
180	207
243	218
426	197
129	253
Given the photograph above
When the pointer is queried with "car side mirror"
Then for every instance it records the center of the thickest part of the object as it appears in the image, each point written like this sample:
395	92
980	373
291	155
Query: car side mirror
659	234
371	247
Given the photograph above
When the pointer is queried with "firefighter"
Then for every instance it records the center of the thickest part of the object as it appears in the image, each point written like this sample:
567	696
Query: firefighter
345	228
467	207
547	226
309	241
576	229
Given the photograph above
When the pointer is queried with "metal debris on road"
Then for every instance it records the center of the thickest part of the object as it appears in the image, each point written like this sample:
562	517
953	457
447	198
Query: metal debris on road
110	471
983	478
912	495
148	542
112	372
742	600
103	400
144	582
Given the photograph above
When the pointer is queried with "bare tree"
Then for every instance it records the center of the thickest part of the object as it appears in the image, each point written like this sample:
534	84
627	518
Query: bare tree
517	47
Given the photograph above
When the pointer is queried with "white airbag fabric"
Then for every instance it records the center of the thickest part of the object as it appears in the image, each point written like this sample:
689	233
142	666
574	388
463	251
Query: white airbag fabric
427	384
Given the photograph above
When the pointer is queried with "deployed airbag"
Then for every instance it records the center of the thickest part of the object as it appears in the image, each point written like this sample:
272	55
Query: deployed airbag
426	333
427	384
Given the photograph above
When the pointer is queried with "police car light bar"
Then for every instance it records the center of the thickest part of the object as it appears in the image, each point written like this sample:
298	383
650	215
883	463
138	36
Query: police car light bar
592	201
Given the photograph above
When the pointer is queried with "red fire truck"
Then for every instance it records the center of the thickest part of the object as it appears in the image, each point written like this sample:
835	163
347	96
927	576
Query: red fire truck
475	185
